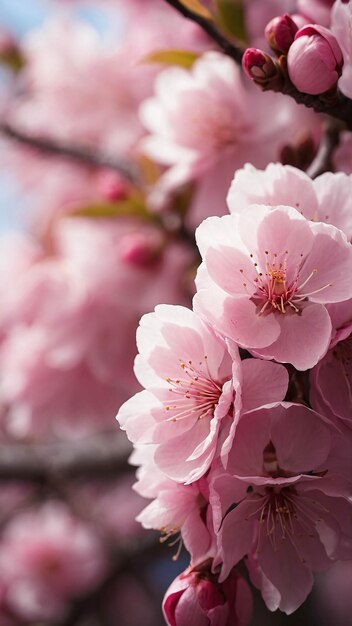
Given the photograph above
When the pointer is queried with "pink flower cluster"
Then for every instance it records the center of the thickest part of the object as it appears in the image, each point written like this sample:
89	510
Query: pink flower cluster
315	44
239	461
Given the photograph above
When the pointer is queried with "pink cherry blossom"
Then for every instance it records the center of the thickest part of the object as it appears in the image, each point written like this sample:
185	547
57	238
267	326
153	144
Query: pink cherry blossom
341	23
180	512
68	323
286	503
49	558
324	199
194	392
208	121
266	277
197	597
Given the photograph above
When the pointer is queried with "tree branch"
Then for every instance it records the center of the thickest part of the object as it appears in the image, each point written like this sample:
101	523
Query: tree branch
235	52
323	159
103	455
337	105
80	154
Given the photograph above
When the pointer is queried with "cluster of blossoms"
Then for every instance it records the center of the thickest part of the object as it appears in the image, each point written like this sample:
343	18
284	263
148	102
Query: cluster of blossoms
238	459
128	141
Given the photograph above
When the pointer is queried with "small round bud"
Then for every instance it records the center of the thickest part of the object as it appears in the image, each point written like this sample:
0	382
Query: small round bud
280	33
196	597
112	187
141	249
259	66
314	60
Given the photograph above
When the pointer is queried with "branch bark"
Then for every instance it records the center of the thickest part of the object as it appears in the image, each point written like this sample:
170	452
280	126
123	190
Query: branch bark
336	105
323	159
232	50
80	154
103	455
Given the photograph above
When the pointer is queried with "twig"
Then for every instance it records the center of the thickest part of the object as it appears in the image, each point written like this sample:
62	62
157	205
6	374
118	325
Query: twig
322	162
233	51
81	154
102	455
337	105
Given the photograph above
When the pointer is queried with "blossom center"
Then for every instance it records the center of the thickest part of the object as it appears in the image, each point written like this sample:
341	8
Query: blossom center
278	287
194	393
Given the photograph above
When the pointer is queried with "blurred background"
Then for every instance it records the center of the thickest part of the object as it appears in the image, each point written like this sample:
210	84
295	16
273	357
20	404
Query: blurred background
84	253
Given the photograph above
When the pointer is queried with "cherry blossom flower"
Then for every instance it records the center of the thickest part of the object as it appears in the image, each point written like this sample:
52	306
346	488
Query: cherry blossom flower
208	121
194	392
285	503
327	198
266	276
49	558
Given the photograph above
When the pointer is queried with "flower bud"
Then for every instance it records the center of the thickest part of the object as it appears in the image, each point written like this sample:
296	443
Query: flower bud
259	66
280	33
314	60
197	598
111	186
141	248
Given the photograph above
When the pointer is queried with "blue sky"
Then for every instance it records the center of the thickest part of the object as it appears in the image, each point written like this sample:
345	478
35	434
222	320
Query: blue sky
20	16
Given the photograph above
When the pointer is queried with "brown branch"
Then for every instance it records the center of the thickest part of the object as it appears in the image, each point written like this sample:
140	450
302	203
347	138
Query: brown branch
80	154
336	105
322	162
233	51
103	455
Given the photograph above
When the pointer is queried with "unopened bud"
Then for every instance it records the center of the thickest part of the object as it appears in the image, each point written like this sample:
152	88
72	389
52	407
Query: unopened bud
280	33
314	60
111	186
260	66
197	598
141	249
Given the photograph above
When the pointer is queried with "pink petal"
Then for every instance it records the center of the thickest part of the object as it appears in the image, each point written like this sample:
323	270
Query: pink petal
277	184
304	338
286	572
334	193
331	256
301	439
263	382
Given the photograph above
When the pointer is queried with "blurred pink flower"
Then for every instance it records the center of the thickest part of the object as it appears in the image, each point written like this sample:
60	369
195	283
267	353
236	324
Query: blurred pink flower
327	198
48	558
68	324
208	121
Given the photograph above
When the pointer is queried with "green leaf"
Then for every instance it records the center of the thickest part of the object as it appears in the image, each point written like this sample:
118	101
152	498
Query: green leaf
13	60
197	7
131	207
230	15
182	58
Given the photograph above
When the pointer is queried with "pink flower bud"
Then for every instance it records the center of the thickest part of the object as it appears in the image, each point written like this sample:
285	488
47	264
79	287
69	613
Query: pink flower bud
280	33
314	60
141	248
258	65
111	186
197	598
